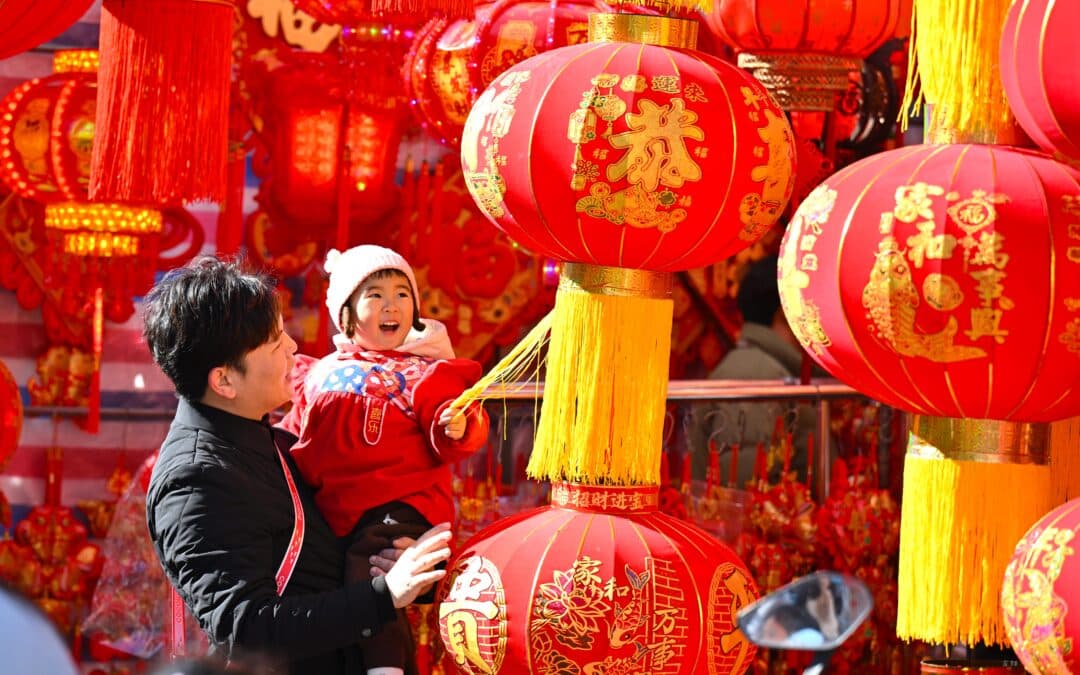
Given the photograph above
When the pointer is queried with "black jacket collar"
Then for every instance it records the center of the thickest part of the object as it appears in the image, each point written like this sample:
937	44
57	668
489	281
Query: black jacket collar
240	431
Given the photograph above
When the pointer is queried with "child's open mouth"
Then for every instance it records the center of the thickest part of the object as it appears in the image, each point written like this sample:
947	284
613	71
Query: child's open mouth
389	326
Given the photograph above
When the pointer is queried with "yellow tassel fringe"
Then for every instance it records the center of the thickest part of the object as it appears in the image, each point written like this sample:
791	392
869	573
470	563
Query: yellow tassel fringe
1065	459
607	371
961	522
516	368
953	60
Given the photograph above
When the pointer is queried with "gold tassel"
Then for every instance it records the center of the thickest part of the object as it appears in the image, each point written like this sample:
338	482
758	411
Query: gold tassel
963	515
954	68
1065	469
515	369
602	418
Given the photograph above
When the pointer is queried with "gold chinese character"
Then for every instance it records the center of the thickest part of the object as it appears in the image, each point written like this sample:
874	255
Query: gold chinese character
605	80
1071	204
668	84
298	28
927	245
751	98
989	287
662	652
914	202
989	252
664	619
701	152
807	242
1074	254
1074	230
634	84
655	146
809	263
695	94
986	321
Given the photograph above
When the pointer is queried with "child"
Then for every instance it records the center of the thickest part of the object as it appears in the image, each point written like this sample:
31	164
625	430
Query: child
376	433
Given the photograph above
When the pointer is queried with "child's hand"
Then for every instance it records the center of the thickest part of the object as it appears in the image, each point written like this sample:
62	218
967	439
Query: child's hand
453	421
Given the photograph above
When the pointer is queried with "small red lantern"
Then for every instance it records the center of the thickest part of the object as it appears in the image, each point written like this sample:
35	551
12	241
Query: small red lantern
901	275
437	77
634	156
25	24
1039	589
11	414
614	586
804	50
1038	49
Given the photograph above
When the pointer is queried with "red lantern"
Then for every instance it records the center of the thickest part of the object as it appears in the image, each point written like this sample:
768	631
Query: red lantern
1039	589
11	414
803	51
633	156
943	280
27	23
315	117
437	77
1038	48
600	579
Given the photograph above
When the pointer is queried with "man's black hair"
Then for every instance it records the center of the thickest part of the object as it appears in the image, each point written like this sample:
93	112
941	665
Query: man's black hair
759	296
208	314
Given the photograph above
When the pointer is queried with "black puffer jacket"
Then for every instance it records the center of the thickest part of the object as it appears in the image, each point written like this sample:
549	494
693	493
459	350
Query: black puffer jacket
220	516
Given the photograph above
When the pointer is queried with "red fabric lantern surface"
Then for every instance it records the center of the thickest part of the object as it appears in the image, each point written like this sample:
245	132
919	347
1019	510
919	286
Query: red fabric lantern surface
1038	50
1041	584
25	24
943	280
11	414
851	28
632	156
599	578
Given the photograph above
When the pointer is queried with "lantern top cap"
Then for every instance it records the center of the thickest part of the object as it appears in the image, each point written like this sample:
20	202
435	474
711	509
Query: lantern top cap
661	31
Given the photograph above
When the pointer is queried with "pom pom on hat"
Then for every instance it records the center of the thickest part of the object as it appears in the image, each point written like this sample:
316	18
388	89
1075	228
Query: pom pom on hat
349	269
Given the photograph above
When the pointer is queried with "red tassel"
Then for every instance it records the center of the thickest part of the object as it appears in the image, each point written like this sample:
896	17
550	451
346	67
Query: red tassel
161	134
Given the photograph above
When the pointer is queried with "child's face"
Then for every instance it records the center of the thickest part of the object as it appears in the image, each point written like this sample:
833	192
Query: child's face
383	312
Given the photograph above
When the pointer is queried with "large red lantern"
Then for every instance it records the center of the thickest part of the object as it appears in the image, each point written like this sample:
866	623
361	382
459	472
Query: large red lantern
943	280
901	275
634	156
615	587
804	50
1038	49
1039	590
27	23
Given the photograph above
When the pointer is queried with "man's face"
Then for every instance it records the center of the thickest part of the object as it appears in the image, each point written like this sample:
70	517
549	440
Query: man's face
264	385
383	311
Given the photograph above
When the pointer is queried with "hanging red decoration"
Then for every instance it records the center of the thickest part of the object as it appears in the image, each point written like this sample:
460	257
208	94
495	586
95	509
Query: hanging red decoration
353	12
436	73
163	99
1039	591
1038	47
613	586
803	50
314	119
900	275
25	24
11	414
621	155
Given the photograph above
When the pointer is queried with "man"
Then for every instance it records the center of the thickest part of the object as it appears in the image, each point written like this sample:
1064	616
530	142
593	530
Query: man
767	350
225	501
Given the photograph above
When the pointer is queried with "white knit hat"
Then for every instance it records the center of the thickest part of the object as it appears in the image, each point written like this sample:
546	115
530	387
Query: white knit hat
349	269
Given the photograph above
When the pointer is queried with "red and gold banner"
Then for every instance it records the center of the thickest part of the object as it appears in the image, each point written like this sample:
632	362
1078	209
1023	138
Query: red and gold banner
944	280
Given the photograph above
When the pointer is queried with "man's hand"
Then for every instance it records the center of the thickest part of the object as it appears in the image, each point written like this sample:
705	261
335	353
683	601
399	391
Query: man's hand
412	574
453	420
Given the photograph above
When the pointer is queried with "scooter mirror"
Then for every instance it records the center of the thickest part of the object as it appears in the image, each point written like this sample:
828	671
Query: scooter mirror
815	613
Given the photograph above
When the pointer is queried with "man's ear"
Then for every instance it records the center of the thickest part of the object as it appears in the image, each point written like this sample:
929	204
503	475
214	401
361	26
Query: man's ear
218	382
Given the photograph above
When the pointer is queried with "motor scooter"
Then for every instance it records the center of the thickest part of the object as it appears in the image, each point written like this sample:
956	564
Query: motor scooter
815	613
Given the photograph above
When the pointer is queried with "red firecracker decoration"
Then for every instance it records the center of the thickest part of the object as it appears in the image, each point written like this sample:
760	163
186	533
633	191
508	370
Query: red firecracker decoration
900	274
1038	592
634	156
1038	47
25	24
612	585
163	101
